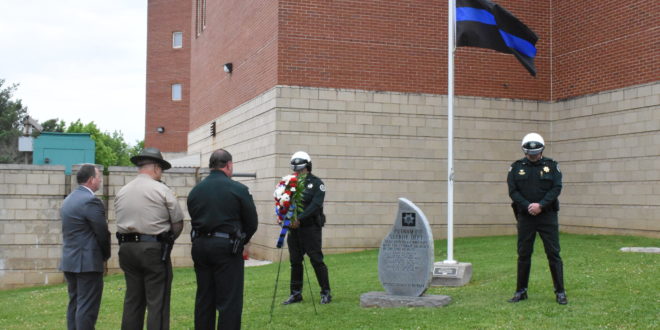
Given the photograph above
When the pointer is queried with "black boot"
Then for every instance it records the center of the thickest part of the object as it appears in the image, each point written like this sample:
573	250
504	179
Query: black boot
295	297
326	298
322	277
296	285
518	296
522	281
557	272
561	298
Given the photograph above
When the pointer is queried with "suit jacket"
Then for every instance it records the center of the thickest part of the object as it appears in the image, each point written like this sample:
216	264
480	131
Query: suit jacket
86	238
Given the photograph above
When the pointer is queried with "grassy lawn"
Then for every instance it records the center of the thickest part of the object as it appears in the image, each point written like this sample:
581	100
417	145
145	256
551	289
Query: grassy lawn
606	289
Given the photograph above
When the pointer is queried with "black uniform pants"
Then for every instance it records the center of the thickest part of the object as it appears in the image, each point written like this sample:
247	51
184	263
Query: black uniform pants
148	285
547	226
85	290
307	240
219	283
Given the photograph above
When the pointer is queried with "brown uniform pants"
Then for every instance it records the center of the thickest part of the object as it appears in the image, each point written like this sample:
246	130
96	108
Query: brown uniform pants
148	285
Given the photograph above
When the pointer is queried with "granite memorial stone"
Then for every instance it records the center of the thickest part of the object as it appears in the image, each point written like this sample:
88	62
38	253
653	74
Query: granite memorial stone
405	261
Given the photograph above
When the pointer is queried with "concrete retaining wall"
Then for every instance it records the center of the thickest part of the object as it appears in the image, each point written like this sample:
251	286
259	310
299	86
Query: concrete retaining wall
371	148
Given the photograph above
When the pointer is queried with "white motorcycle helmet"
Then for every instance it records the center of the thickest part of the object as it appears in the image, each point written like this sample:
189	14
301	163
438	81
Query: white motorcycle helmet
533	144
300	160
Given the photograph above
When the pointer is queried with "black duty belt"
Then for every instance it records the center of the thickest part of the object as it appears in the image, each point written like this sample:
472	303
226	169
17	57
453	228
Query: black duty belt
196	234
135	237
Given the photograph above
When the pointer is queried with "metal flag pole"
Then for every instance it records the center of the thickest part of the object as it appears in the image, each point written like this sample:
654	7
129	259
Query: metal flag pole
450	131
451	272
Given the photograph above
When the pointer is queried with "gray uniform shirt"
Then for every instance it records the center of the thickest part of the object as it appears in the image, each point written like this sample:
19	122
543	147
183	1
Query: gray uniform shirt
146	206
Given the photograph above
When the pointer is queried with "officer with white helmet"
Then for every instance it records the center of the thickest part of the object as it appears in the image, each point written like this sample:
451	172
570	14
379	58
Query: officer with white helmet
306	239
535	183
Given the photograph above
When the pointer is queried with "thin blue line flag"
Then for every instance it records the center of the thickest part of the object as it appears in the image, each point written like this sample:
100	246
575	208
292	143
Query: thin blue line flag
484	24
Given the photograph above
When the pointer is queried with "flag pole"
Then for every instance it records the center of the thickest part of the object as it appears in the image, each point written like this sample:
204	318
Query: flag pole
450	272
450	131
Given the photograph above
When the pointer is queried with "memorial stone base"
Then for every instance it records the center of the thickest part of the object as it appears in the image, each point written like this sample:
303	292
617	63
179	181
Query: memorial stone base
386	300
451	274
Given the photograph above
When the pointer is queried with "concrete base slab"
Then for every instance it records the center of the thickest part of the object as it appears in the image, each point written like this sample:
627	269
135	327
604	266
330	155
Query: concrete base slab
641	249
451	274
386	300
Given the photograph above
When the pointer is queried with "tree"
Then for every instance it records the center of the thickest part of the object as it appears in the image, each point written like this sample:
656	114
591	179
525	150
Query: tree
111	149
53	125
11	116
136	148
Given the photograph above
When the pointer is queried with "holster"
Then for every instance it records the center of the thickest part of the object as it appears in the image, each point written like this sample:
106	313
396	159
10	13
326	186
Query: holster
237	242
166	244
320	219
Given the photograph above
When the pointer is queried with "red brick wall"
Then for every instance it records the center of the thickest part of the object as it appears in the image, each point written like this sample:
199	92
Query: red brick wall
245	34
401	46
167	66
603	45
383	45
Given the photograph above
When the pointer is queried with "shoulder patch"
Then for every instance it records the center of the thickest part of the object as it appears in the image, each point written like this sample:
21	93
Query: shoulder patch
322	187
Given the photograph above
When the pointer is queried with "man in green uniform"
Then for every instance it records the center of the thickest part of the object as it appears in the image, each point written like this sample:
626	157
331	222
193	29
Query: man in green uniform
149	219
534	186
306	239
223	218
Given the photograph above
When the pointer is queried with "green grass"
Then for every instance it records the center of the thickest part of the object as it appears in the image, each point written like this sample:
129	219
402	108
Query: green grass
606	289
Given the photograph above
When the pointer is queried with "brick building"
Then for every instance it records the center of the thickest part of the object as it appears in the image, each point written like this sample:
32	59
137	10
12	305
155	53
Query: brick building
361	86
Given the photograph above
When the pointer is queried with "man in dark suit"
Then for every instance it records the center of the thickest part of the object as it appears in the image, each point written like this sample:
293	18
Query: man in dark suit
85	246
223	218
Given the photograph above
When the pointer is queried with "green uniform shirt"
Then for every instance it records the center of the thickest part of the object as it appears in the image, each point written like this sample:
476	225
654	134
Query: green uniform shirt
313	197
220	204
538	182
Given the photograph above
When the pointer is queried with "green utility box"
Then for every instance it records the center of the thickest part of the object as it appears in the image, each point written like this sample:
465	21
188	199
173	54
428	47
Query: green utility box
63	149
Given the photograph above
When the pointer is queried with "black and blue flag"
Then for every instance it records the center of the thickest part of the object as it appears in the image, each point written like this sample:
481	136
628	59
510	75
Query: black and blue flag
484	24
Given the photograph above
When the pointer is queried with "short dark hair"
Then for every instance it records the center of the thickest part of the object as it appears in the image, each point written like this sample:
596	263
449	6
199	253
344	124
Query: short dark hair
85	172
219	159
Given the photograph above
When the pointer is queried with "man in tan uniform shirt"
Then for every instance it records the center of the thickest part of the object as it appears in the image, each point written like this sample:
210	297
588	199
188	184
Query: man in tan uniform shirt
149	219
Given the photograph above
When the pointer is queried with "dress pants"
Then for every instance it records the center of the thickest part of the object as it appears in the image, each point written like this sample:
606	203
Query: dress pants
148	285
546	224
219	283
85	290
307	240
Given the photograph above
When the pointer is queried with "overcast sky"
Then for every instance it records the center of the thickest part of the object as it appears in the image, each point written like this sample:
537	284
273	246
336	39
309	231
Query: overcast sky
78	59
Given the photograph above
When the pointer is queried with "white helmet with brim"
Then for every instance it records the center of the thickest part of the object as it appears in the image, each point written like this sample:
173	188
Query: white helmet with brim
533	144
300	160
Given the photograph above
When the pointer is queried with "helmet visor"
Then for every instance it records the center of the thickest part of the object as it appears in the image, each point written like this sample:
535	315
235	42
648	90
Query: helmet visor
298	164
533	148
298	167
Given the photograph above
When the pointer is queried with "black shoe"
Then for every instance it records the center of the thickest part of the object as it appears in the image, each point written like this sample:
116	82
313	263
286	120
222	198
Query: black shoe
561	298
294	298
518	296
326	298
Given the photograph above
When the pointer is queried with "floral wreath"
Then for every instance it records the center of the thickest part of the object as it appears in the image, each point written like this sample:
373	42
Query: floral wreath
288	202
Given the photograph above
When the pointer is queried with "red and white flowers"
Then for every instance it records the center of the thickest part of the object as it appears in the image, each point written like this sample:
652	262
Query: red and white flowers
288	198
